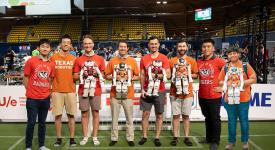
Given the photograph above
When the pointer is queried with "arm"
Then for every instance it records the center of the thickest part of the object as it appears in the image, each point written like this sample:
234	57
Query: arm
241	80
25	81
173	73
142	82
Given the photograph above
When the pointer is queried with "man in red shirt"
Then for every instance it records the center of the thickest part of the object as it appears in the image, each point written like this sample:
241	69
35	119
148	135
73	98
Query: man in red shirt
148	101
38	73
209	99
93	100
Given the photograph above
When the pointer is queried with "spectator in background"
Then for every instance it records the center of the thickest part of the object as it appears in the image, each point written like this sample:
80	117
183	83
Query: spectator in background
163	50
73	51
10	59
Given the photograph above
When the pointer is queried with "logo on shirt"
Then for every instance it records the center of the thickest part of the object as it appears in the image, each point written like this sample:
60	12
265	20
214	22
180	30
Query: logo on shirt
43	74
205	72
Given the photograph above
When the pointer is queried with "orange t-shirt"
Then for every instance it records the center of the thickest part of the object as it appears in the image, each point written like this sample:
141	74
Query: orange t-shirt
63	80
129	61
39	73
146	61
79	63
194	70
245	95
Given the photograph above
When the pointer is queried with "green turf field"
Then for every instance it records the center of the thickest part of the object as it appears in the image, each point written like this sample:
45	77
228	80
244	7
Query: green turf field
262	137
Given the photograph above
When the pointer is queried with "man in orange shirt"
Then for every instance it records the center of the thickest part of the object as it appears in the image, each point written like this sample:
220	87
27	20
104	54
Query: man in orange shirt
123	63
241	108
64	89
92	100
182	103
38	73
147	101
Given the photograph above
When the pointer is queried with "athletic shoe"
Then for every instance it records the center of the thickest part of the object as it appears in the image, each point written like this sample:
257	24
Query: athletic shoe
174	142
245	146
142	141
58	142
213	146
187	142
28	149
112	143
229	146
131	143
83	141
96	141
157	142
43	148
72	142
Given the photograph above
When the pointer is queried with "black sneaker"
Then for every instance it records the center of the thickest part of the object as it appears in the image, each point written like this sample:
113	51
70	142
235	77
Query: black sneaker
131	143
213	146
142	141
187	142
174	142
157	142
58	142
204	141
112	143
72	142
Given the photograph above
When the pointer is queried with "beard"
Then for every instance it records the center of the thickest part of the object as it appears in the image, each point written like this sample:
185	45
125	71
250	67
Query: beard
182	52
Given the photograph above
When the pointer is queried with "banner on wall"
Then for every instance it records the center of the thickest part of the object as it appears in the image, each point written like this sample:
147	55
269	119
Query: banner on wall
13	105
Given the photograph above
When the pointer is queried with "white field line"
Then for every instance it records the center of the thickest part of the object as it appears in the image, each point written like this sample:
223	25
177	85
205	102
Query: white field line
255	145
16	143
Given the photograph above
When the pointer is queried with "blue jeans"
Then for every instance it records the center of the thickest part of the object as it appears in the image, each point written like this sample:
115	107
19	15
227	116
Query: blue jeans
36	108
234	112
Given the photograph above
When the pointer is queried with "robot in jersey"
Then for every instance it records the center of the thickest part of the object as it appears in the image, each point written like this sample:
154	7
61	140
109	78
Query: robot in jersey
181	76
122	84
234	84
89	74
154	83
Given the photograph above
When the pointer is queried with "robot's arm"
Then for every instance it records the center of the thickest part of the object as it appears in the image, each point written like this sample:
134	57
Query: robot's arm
225	82
164	75
150	73
99	74
174	73
189	73
114	76
81	76
242	81
129	76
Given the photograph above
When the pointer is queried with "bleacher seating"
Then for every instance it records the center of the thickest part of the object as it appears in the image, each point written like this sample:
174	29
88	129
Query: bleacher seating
99	29
18	34
73	27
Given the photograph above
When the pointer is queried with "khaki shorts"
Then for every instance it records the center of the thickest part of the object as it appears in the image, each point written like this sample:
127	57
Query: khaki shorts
59	100
87	102
181	106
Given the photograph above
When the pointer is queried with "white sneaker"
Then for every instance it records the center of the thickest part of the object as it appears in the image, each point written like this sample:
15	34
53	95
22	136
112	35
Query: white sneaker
96	141
28	149
43	148
84	141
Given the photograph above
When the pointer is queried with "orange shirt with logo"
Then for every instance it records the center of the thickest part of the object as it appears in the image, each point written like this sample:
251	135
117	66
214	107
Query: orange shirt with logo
194	70
129	61
245	95
63	80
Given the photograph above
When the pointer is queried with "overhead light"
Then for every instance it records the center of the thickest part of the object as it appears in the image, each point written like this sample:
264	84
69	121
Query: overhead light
9	6
164	2
158	2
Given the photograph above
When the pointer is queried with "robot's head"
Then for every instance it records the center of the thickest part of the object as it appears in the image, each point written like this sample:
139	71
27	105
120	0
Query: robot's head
182	61
122	65
89	63
157	63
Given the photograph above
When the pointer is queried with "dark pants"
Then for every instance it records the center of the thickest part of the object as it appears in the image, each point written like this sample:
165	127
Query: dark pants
36	108
211	110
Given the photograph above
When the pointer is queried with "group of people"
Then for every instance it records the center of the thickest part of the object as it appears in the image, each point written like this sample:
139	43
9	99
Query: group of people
55	77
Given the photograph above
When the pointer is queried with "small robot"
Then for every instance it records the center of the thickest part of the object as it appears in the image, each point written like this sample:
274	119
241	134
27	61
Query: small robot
181	76
153	86
89	74
122	84
234	83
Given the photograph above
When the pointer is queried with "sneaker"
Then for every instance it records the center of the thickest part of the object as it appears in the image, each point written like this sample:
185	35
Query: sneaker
203	141
229	146
112	143
58	142
83	141
187	142
131	143
43	148
157	142
96	141
174	142
28	148
213	146
72	142
142	141
245	146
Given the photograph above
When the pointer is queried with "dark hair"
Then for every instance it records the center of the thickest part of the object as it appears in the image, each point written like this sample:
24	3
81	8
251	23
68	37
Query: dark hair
233	49
122	41
87	36
44	41
153	38
65	36
209	41
182	41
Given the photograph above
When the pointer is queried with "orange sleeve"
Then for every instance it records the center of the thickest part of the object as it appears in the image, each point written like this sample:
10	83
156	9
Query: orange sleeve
109	68
221	75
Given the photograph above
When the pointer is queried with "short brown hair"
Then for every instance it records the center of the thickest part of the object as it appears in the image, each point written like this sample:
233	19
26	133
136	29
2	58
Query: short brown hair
182	41
87	36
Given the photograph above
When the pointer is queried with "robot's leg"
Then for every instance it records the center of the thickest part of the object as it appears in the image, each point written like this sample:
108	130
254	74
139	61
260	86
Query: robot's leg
237	96
178	85
156	88
86	88
230	96
150	87
185	85
118	89
92	87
